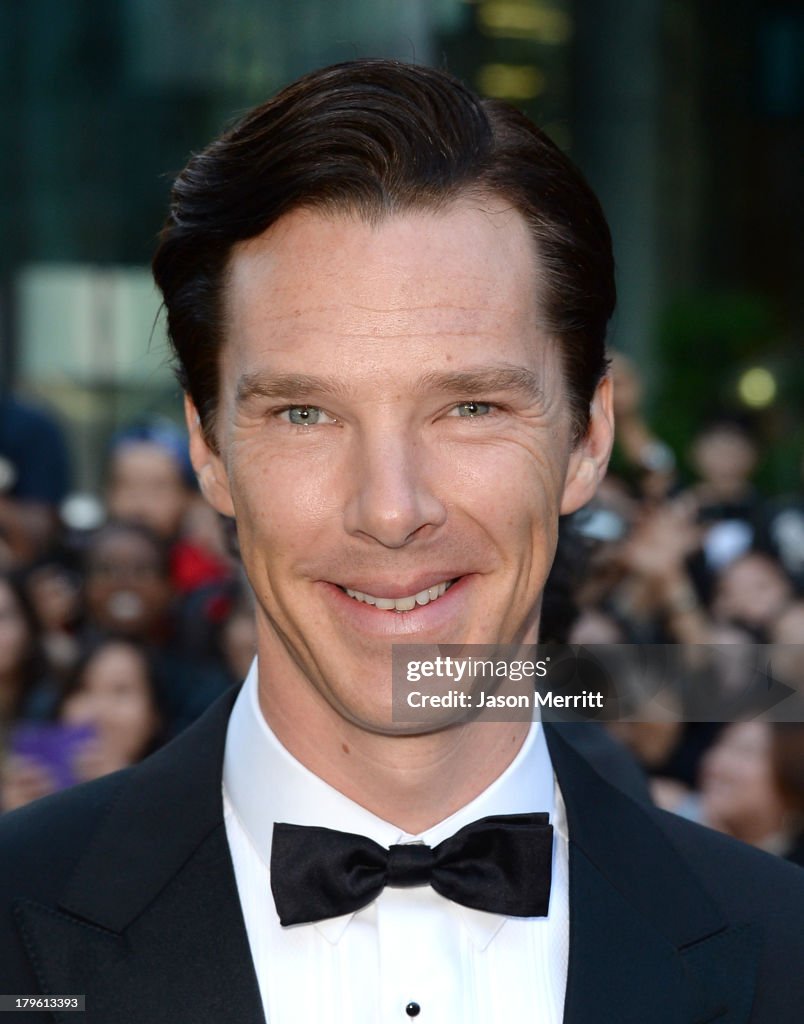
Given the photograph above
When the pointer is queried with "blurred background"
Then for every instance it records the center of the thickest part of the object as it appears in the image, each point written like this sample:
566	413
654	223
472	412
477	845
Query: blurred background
685	115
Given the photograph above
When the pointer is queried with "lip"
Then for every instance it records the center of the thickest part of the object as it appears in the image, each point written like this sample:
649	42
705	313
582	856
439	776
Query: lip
433	620
396	590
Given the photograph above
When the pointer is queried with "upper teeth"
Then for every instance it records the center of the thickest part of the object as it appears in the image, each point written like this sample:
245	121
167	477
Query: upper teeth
402	604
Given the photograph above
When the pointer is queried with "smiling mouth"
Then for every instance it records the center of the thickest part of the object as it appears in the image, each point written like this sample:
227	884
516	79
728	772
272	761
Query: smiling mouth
402	604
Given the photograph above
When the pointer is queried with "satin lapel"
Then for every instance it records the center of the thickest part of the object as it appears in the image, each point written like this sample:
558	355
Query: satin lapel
150	926
646	941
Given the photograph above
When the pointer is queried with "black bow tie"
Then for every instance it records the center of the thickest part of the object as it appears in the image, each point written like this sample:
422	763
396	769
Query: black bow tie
500	864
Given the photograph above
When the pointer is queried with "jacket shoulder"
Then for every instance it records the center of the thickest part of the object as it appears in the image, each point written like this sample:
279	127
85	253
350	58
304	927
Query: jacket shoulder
41	842
721	861
169	802
751	887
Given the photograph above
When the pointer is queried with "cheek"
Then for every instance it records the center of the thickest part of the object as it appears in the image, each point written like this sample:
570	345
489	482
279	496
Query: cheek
286	504
135	719
281	508
737	770
78	710
125	719
759	778
511	489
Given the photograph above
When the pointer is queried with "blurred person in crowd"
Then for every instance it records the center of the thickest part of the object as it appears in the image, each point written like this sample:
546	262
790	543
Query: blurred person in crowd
654	744
116	689
787	635
670	752
597	626
28	692
563	622
238	638
781	531
115	693
215	624
641	575
740	788
26	686
596	533
724	455
389	301
203	555
788	628
645	461
127	583
150	481
649	581
752	592
128	592
657	596
55	590
34	480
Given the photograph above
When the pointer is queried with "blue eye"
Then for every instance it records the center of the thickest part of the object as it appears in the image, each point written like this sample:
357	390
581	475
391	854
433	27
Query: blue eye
472	409
303	415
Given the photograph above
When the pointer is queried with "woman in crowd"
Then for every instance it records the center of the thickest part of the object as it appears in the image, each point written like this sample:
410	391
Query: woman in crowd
752	785
115	691
24	687
111	714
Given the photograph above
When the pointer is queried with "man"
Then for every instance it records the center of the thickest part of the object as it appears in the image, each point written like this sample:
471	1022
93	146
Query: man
389	301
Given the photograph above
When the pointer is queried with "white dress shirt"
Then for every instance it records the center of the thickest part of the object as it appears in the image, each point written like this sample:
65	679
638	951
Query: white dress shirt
409	945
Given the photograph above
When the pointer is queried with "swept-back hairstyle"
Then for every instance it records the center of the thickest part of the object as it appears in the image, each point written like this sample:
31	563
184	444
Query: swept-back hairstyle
371	138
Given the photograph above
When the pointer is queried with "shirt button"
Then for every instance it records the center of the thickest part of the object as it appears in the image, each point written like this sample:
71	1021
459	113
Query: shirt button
413	1009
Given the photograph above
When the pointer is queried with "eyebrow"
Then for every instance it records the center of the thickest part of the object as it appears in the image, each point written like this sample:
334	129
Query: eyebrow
492	379
284	385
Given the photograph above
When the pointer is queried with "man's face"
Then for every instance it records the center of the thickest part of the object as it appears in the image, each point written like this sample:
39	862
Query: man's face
393	429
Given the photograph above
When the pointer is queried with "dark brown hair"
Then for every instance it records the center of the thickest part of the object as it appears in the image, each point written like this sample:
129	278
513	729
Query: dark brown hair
373	137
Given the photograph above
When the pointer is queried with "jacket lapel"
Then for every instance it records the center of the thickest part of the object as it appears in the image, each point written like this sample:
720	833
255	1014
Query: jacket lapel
150	920
646	941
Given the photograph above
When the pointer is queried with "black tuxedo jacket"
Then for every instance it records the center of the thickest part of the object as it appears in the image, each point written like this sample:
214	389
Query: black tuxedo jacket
123	890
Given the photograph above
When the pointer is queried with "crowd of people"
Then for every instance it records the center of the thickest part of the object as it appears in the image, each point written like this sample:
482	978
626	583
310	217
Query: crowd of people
717	569
114	638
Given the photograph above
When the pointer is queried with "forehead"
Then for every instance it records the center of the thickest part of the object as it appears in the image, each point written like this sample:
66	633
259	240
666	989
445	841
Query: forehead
138	458
464	275
756	567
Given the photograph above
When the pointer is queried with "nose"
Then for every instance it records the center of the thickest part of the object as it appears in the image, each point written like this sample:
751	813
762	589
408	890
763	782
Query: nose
391	498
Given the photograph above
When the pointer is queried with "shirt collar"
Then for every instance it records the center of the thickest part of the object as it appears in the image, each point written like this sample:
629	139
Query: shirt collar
264	783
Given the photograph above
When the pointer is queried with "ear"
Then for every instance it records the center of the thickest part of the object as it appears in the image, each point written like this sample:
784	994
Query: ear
208	465
590	457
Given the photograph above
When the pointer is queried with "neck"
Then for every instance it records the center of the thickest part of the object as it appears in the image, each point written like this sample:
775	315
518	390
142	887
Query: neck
412	781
